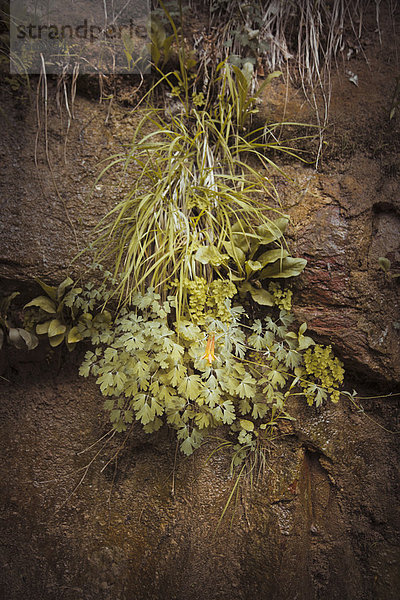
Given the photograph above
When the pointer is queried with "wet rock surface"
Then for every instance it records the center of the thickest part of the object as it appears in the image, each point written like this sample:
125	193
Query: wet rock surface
147	525
343	228
85	515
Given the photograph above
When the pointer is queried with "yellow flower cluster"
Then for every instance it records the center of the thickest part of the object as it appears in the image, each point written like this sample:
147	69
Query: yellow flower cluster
209	299
322	365
282	298
197	299
220	291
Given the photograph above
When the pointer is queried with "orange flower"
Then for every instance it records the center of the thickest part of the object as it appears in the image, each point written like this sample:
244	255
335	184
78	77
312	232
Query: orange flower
209	354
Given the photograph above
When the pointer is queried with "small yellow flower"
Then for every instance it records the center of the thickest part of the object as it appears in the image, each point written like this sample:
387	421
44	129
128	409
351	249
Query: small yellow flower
209	353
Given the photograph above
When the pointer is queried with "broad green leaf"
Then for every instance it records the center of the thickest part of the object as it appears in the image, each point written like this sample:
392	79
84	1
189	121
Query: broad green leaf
384	263
210	255
241	235
70	345
272	231
302	328
63	286
242	241
260	296
74	335
305	342
22	339
50	290
247	425
44	303
252	266
271	256
56	340
288	267
103	317
43	328
6	301
56	328
235	252
248	67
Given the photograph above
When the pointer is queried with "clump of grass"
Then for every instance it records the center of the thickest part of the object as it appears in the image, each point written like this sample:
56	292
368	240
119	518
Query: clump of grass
303	38
201	173
309	32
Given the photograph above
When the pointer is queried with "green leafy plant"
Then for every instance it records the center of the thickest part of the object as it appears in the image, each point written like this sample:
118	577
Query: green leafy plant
155	370
386	266
55	319
194	192
19	337
323	367
259	261
199	230
160	42
60	313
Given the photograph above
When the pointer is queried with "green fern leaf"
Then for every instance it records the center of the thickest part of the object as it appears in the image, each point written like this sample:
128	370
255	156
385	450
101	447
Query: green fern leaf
228	412
191	387
176	375
246	388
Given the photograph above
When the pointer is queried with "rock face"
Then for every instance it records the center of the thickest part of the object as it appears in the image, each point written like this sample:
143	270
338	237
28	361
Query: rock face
344	222
80	523
89	515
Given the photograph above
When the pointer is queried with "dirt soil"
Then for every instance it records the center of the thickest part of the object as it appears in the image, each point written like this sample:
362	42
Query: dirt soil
86	515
